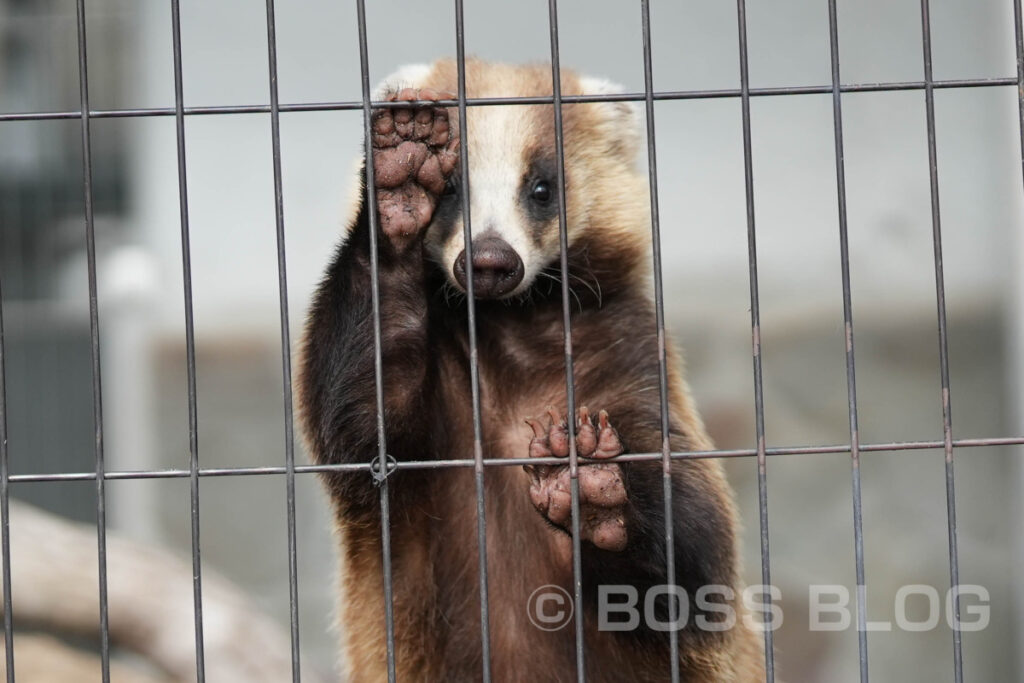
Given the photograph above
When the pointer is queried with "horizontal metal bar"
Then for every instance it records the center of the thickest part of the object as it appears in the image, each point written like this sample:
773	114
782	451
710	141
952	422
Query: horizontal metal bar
502	462
668	95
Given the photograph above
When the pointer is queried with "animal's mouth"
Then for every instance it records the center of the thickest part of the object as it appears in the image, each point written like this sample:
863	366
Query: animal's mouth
497	268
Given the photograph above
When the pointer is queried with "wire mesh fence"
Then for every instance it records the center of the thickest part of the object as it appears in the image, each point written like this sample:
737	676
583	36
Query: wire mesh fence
377	472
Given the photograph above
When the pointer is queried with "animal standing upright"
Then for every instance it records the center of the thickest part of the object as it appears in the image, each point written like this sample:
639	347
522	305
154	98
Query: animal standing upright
514	204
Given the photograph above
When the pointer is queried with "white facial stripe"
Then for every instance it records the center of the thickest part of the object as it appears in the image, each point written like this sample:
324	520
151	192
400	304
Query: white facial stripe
497	137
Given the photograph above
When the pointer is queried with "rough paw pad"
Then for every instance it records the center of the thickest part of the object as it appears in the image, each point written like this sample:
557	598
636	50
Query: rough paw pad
603	496
415	151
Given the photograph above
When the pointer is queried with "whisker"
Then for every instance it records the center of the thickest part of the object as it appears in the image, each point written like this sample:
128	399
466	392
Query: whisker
587	284
547	272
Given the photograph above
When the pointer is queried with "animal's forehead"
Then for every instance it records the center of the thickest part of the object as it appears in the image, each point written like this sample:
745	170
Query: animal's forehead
522	133
486	79
522	127
506	135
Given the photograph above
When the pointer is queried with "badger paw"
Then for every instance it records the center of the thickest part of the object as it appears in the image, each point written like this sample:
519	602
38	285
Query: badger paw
602	490
415	150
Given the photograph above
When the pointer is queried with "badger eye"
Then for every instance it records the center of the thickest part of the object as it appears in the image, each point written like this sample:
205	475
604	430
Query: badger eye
450	187
541	192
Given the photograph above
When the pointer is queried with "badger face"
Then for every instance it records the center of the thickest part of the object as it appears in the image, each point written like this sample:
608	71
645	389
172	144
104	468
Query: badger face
513	203
514	200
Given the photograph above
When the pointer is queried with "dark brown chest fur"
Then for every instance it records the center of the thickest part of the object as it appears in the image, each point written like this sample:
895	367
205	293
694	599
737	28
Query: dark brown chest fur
435	561
428	415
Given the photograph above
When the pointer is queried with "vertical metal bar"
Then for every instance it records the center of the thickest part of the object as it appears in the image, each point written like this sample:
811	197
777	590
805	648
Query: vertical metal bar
94	337
851	375
755	331
659	312
570	384
190	342
286	346
474	369
382	453
5	519
1018	35
940	302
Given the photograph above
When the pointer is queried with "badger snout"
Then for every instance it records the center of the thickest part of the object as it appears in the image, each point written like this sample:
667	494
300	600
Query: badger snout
497	268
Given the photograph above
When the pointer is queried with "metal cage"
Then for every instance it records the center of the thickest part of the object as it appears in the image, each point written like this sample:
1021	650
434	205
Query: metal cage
377	471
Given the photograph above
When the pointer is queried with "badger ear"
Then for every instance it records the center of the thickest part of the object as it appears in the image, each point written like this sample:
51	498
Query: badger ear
408	76
621	124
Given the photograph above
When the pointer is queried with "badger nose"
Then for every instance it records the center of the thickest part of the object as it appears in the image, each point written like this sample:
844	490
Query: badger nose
497	268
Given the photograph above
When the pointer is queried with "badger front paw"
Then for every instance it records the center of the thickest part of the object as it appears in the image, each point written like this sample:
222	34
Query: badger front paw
415	150
602	490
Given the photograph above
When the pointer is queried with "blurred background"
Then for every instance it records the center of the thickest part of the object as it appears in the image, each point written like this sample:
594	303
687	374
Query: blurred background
700	155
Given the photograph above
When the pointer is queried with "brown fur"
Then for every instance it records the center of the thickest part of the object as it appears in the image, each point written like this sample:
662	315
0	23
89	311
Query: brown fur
521	362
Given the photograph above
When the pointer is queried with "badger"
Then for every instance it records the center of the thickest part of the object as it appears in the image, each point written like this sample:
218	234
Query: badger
428	408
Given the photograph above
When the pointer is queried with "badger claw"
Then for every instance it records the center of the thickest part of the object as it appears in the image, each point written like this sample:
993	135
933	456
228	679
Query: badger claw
603	497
